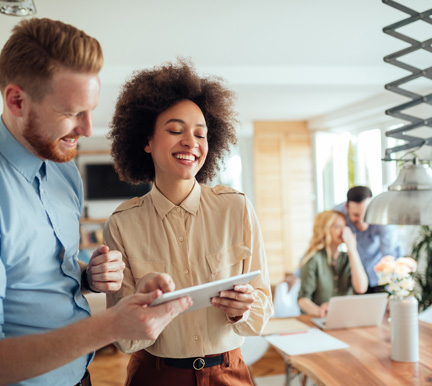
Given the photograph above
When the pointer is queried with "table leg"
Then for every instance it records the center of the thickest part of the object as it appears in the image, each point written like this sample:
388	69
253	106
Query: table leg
288	372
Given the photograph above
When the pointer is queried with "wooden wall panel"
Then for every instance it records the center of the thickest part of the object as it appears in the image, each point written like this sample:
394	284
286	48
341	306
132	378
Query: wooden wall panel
283	176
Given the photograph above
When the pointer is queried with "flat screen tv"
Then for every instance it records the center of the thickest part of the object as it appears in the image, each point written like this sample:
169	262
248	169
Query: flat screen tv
103	183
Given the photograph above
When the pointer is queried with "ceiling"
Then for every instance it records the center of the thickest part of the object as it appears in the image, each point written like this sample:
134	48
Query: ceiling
286	59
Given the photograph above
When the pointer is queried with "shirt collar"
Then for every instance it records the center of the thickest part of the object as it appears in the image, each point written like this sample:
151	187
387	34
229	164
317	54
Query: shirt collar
17	155
164	206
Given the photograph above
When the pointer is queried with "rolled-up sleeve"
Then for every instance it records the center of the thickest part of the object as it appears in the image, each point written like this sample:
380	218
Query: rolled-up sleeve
112	238
308	280
262	308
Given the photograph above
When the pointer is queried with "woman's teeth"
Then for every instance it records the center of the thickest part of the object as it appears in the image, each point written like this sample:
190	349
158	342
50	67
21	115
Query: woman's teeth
188	157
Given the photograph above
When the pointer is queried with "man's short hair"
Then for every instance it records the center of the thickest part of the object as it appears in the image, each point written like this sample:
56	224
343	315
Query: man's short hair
358	194
38	48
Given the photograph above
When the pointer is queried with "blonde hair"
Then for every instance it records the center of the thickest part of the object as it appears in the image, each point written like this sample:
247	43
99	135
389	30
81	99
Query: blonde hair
38	48
321	236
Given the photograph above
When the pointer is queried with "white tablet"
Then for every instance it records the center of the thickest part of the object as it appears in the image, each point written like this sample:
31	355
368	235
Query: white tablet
201	294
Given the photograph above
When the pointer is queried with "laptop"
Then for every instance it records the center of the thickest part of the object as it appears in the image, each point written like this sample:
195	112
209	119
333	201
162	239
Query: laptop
354	311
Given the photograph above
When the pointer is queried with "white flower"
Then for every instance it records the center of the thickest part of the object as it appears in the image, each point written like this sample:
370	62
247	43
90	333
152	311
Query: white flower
393	287
407	284
402	293
397	274
384	279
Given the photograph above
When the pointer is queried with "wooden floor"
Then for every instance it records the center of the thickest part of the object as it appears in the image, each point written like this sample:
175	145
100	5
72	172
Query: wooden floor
109	366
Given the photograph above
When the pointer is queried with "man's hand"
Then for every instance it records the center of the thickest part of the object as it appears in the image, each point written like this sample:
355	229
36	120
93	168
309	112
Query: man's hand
235	303
133	318
105	270
155	281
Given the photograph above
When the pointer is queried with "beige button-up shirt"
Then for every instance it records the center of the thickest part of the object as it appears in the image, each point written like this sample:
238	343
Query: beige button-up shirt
212	234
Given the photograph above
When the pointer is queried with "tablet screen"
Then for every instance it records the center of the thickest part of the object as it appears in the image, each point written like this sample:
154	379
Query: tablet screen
201	294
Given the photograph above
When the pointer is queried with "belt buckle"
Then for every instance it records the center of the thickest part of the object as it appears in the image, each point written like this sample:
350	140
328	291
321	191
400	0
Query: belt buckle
201	362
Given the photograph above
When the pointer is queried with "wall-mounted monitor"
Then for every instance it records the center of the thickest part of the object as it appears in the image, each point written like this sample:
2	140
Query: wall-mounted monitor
103	183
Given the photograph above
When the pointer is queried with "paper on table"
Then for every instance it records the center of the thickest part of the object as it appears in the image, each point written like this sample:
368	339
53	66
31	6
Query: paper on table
281	325
305	342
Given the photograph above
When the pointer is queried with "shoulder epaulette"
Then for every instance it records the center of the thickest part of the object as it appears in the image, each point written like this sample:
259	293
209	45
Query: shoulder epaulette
133	202
223	189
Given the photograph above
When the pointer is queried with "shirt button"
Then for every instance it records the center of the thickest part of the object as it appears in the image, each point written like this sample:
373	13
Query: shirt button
180	238
178	209
186	271
195	337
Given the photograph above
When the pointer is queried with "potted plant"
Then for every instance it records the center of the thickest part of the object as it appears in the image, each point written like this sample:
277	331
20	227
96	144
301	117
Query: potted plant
422	253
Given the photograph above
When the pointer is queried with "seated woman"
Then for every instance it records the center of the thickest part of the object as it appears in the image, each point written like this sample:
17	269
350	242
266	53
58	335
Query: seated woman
325	270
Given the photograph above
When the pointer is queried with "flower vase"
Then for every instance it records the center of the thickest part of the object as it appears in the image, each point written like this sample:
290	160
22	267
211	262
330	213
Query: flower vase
404	328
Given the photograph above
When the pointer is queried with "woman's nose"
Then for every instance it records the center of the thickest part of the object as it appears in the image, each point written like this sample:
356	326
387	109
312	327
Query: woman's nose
189	141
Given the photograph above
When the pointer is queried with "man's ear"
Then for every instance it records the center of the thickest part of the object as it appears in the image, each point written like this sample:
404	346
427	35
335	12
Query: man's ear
14	99
147	148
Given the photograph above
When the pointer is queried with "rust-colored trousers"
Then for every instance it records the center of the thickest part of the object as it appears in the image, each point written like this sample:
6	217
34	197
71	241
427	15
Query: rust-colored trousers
148	370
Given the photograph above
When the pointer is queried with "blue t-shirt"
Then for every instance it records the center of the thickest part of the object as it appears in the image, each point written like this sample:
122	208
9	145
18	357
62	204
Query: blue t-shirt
40	206
374	243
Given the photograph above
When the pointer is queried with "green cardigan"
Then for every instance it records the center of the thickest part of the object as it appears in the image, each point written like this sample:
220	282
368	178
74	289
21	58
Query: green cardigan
320	281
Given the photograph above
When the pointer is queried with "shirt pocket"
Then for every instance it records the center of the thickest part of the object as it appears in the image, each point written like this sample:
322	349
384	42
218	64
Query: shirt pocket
228	262
140	268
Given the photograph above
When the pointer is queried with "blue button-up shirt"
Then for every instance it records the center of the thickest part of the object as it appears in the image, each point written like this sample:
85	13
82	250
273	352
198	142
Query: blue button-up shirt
40	206
374	243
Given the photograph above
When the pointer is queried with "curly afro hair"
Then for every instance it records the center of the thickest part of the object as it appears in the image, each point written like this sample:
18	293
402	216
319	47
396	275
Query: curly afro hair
150	92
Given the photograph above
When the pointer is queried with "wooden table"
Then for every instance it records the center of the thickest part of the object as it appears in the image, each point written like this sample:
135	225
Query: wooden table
367	361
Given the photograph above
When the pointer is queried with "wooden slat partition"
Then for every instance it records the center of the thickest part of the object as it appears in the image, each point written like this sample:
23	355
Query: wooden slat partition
284	192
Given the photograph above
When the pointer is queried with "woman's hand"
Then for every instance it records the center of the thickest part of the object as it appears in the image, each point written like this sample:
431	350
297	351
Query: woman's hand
155	281
349	238
313	309
359	277
236	302
323	310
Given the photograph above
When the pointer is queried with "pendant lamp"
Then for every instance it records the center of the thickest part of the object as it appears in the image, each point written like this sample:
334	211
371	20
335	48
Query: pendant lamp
17	7
408	200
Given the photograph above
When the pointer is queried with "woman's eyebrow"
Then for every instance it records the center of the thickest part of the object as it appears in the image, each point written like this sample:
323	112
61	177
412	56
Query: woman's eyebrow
177	120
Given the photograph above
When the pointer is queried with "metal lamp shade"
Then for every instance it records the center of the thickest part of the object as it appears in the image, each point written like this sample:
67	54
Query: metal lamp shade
17	7
408	201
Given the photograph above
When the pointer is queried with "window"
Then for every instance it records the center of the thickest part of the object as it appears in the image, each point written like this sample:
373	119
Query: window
346	159
230	172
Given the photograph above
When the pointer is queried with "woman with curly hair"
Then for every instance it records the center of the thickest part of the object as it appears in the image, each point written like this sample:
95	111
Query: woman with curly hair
325	269
172	127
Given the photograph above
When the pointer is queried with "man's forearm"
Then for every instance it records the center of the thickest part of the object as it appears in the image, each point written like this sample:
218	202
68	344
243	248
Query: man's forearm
29	356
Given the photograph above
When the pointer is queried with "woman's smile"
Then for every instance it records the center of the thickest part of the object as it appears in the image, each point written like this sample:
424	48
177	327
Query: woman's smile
179	143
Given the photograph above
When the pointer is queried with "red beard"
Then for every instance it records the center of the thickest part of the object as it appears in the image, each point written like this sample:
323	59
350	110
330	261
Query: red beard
43	147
